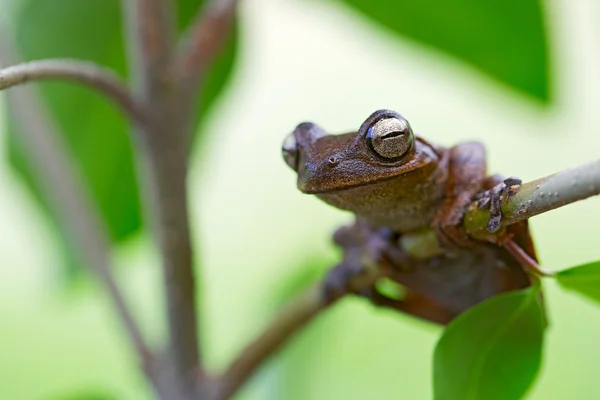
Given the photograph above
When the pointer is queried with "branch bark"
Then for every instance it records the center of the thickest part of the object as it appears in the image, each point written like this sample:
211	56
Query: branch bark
205	38
90	74
151	36
532	198
288	322
537	197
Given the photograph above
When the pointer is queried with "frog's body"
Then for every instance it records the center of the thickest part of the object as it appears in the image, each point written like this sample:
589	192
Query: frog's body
393	180
388	200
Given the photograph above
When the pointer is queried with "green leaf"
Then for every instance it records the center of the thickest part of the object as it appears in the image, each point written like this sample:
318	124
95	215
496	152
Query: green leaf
492	351
584	279
95	132
505	40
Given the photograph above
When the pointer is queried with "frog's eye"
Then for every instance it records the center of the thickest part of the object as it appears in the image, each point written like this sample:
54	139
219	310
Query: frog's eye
391	138
289	150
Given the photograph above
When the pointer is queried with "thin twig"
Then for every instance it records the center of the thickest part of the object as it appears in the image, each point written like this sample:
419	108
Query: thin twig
538	196
205	38
288	321
66	192
151	34
90	74
528	263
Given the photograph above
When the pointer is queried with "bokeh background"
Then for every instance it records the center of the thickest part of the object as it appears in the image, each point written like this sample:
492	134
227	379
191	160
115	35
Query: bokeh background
260	241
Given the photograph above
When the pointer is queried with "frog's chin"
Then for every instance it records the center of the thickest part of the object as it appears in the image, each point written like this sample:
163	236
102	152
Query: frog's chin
309	186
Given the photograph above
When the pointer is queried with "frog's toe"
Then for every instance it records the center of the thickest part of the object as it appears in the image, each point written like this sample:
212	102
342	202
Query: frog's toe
492	197
339	279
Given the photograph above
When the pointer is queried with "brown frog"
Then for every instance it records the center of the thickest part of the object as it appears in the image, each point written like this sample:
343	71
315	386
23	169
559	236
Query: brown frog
411	195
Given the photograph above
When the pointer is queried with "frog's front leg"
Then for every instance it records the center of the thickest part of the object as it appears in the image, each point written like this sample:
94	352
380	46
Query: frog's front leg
466	175
496	186
363	247
466	178
369	253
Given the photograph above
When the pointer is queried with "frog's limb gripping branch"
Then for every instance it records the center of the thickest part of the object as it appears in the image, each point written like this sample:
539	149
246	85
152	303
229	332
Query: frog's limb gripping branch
90	74
53	164
536	197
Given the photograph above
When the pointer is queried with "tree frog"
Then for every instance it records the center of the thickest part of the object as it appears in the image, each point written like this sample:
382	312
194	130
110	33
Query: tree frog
411	195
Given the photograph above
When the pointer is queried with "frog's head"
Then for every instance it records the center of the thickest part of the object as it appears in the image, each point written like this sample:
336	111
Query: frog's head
383	148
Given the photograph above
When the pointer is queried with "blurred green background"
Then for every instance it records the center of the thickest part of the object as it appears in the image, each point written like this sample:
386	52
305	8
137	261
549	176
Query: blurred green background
259	239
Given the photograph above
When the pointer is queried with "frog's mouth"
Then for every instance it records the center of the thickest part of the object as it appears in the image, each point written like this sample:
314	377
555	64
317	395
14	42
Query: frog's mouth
337	170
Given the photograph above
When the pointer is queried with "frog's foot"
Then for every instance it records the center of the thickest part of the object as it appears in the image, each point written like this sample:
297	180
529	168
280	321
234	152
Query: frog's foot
340	279
491	199
363	247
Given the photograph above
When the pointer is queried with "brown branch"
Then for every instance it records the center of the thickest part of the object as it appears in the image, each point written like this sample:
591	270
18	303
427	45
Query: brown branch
151	36
90	74
67	194
289	321
205	38
537	197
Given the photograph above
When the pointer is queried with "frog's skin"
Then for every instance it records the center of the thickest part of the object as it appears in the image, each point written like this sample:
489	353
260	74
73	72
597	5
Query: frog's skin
401	187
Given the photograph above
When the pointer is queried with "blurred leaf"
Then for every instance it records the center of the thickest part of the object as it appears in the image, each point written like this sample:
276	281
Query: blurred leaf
93	129
492	351
506	40
584	279
95	132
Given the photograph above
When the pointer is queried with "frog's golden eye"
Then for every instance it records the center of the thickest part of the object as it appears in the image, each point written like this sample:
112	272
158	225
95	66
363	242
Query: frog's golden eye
391	138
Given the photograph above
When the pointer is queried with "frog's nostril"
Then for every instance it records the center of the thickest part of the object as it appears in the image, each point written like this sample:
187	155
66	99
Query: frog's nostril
333	161
289	150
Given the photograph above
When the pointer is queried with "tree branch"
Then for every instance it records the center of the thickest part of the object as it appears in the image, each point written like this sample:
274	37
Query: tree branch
87	73
289	321
64	188
151	36
537	197
545	194
205	38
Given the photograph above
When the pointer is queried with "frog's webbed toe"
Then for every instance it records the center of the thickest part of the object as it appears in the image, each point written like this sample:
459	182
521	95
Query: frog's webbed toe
491	198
